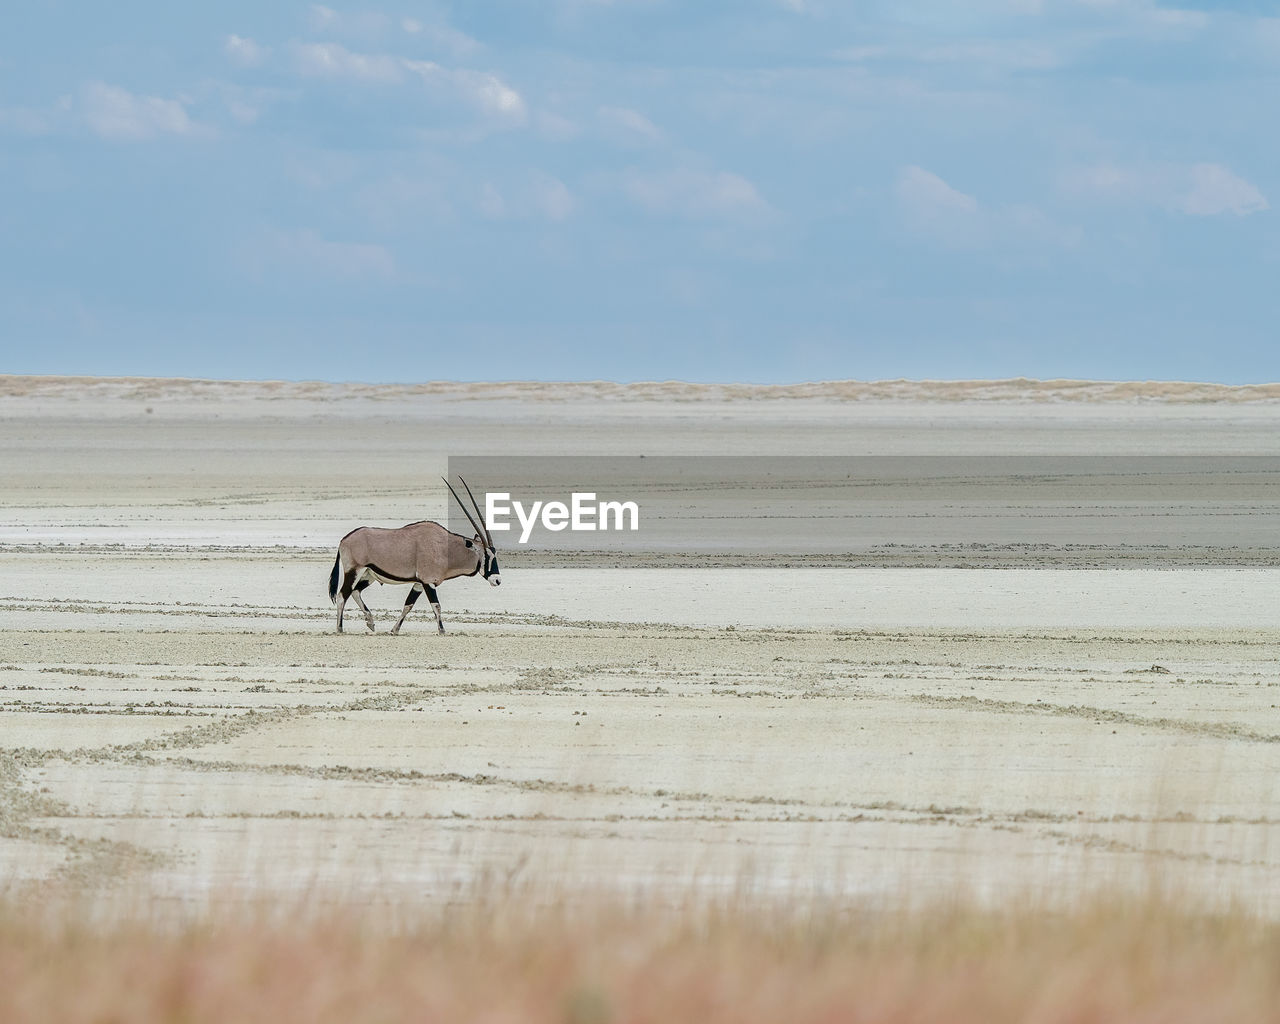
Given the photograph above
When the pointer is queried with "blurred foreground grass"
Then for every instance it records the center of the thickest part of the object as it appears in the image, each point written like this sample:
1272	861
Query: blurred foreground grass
591	963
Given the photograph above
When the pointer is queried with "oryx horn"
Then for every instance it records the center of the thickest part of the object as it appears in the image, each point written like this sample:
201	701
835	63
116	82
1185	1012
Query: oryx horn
482	534
488	540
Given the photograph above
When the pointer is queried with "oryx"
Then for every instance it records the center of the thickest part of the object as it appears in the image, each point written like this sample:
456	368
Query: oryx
422	554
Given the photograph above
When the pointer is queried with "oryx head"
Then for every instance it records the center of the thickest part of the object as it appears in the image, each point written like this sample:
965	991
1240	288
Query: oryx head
488	554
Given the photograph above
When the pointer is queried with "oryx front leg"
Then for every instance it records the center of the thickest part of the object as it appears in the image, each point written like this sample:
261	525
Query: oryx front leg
435	606
414	593
368	616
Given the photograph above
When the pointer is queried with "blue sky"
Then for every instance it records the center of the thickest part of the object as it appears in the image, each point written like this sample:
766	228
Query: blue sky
768	190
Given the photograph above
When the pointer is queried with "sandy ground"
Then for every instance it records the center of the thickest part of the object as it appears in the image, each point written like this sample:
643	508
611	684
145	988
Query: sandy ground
179	722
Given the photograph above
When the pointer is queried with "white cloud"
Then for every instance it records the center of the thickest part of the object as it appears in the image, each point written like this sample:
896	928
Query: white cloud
552	198
332	60
540	197
307	251
490	93
629	126
480	89
553	126
24	120
1029	224
1049	34
491	202
117	114
1264	34
988	54
244	104
928	196
245	51
487	92
395	203
1214	189
1103	179
245	113
327	21
444	37
1199	190
693	193
32	121
322	18
1146	17
956	219
1161	17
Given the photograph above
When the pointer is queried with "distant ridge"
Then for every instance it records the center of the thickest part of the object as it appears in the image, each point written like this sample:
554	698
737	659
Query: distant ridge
1016	389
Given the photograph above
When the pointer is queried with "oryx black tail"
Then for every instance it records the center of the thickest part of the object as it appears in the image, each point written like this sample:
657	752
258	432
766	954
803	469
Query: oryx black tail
333	579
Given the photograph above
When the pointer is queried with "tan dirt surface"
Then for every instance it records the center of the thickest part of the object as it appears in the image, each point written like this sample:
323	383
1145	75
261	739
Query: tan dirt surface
178	720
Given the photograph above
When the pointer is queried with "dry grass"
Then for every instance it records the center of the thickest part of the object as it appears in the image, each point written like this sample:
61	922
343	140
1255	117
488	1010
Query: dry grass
602	963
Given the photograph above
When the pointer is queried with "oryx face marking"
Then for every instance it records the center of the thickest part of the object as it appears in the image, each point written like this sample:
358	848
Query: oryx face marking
487	564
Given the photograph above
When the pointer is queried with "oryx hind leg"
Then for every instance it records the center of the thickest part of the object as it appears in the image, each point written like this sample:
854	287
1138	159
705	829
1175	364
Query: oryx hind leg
435	606
368	616
344	592
414	593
